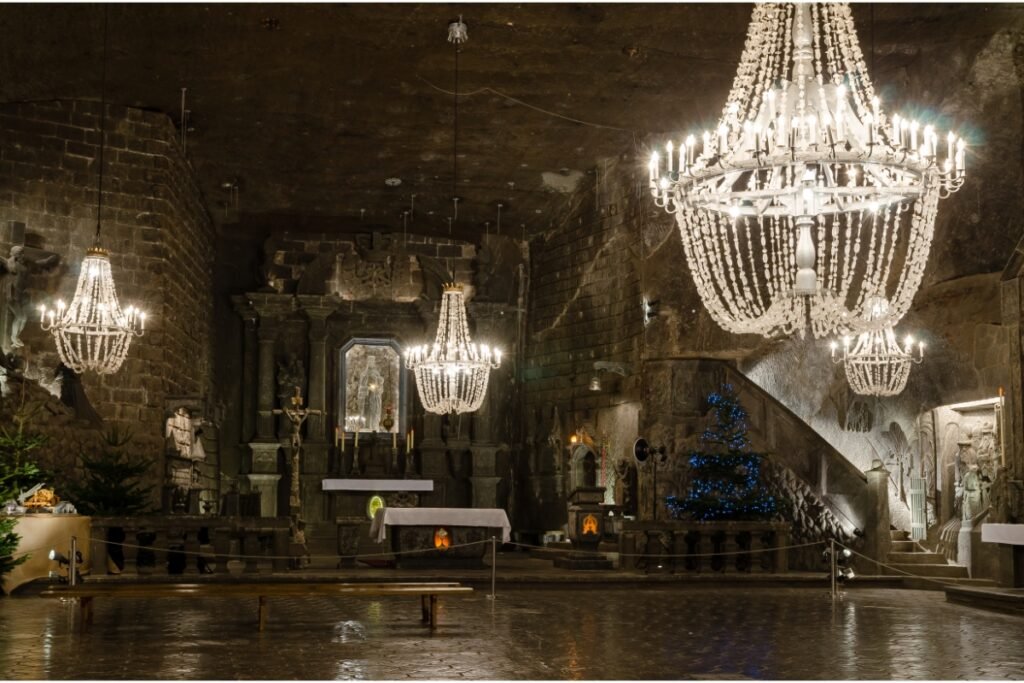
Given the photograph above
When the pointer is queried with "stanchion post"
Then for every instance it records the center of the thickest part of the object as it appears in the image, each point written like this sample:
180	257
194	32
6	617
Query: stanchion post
494	562
832	566
73	562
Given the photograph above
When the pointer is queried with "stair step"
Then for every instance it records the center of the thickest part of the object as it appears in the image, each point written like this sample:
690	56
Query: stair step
916	557
952	571
906	547
899	535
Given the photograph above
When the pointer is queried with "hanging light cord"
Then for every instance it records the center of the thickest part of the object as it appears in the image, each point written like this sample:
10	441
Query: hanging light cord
455	137
103	122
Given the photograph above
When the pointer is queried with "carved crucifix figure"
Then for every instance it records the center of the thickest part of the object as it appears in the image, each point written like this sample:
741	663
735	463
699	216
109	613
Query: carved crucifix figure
296	415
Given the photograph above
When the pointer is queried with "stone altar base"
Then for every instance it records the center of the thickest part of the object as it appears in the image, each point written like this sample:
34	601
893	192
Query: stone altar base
424	555
583	561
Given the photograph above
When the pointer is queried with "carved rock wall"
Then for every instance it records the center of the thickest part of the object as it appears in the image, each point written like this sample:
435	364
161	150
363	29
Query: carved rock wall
156	228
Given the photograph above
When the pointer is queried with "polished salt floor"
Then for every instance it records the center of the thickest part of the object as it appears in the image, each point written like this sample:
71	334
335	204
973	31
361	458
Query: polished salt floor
589	632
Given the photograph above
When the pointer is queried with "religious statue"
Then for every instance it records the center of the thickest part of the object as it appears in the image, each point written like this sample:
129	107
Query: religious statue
369	392
15	270
625	492
972	500
183	430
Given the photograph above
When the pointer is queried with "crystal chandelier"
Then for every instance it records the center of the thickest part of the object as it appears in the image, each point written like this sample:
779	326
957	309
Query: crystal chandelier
877	365
451	375
806	201
94	333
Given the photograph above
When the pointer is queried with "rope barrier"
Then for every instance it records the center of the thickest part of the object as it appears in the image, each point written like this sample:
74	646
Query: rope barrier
683	555
228	556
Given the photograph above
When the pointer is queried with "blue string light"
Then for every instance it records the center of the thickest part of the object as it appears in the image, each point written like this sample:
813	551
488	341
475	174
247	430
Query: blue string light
725	485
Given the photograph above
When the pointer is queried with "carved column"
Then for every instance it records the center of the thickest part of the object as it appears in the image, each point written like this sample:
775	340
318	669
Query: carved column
876	526
249	317
434	461
267	333
316	450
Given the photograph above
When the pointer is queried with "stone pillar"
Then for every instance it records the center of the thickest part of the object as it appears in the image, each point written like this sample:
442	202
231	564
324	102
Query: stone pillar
877	522
434	461
249	365
485	479
266	486
265	390
316	425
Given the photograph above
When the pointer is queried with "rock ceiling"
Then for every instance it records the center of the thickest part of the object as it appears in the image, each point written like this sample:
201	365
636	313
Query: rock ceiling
312	108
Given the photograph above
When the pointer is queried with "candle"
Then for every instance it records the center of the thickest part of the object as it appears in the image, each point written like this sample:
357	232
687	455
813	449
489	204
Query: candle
412	438
682	157
355	443
651	168
668	154
913	135
949	147
394	441
960	155
690	144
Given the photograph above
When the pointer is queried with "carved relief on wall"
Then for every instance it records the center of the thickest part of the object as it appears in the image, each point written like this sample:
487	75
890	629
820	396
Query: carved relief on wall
971	454
378	268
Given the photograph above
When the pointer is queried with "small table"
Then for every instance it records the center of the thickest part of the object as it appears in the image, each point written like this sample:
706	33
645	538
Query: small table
417	542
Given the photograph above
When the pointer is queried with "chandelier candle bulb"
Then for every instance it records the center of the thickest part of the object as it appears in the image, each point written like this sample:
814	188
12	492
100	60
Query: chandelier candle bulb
668	155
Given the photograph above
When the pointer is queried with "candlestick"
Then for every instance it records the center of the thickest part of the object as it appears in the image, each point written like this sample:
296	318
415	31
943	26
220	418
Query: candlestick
412	439
394	441
355	443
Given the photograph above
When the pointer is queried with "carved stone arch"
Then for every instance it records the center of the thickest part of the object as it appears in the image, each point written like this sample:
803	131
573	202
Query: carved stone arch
583	464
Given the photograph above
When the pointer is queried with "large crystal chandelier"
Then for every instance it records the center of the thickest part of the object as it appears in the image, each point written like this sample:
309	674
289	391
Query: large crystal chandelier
877	365
807	200
451	375
93	332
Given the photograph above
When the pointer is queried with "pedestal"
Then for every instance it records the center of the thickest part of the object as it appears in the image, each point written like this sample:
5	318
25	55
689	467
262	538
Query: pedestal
264	457
266	486
586	527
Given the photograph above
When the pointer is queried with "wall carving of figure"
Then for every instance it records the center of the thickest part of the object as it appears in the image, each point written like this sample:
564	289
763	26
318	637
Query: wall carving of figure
369	394
15	270
625	491
182	432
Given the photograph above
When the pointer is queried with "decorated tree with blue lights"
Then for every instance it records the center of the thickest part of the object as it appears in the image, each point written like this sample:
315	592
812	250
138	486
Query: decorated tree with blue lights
726	474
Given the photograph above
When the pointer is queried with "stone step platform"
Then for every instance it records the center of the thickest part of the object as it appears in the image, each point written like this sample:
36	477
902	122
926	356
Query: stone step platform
916	557
1006	600
907	547
952	571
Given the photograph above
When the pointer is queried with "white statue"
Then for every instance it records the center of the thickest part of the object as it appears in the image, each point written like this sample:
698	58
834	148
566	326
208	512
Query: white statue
369	393
183	430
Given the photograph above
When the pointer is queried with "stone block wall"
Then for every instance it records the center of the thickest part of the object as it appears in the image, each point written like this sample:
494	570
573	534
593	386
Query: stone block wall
584	306
156	228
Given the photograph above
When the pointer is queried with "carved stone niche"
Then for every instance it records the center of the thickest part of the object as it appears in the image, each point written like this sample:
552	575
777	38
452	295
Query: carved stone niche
378	268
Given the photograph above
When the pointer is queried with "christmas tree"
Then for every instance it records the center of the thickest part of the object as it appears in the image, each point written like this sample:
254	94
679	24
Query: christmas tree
726	475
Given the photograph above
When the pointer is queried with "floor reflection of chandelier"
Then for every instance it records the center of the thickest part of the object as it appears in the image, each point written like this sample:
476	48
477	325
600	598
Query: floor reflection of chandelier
806	200
451	375
877	365
94	332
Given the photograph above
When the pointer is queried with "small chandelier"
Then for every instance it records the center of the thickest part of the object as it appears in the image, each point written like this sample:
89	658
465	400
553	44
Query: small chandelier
877	365
806	199
451	375
94	333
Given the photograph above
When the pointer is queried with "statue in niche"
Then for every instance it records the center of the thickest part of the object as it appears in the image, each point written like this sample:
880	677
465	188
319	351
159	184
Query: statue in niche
625	492
15	270
183	432
369	394
290	374
971	496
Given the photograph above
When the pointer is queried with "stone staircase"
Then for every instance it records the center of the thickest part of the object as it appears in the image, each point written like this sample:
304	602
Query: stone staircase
911	557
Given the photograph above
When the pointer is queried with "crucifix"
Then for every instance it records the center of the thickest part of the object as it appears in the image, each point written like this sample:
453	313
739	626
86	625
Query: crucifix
15	270
297	415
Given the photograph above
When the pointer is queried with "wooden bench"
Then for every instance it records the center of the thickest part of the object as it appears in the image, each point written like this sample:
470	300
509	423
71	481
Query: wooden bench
87	593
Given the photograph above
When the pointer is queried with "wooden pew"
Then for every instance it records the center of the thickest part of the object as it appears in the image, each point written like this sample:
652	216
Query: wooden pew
87	593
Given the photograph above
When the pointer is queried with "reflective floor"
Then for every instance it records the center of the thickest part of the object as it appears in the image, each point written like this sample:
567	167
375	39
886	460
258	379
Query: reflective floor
591	632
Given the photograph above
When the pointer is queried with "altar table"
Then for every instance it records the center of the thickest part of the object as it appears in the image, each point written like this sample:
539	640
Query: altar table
494	518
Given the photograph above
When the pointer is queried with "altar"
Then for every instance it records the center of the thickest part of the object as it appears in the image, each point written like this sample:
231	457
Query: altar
440	537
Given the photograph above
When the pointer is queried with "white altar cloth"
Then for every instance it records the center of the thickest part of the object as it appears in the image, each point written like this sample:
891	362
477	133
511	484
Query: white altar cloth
375	485
1011	534
485	517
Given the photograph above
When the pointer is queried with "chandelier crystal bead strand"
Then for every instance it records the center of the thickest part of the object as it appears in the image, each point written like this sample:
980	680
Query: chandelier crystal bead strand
877	365
806	201
451	375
